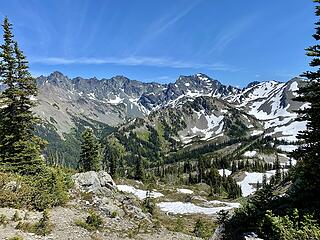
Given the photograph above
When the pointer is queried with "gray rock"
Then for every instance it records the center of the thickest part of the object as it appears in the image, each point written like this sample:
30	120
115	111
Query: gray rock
106	180
96	182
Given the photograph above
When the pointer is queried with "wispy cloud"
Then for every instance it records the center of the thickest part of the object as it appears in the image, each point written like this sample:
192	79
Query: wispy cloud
229	34
134	61
159	26
164	23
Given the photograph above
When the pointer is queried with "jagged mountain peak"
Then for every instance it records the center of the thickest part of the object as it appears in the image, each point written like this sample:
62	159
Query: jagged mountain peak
113	101
56	74
252	84
196	77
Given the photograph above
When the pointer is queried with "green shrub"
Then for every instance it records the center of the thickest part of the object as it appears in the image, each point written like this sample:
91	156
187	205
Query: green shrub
43	227
3	220
179	225
25	226
291	227
114	214
201	230
92	223
44	190
16	238
149	205
26	216
16	217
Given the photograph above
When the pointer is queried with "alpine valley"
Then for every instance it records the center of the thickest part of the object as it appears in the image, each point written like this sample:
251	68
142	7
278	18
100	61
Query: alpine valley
192	158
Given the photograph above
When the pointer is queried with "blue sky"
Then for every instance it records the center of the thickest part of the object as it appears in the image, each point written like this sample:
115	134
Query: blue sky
233	41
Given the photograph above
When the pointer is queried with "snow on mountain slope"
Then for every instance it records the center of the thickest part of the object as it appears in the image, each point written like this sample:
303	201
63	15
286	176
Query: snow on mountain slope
272	103
252	178
209	118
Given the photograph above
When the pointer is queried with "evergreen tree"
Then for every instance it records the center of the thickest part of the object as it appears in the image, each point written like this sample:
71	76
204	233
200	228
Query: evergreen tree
140	171
214	179
112	159
90	157
264	180
234	167
20	148
258	185
201	169
306	177
277	167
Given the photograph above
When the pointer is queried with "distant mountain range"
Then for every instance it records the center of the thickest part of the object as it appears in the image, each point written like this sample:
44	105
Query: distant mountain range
206	108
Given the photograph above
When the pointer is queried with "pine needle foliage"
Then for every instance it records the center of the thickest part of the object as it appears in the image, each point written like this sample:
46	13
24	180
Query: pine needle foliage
20	148
306	189
90	156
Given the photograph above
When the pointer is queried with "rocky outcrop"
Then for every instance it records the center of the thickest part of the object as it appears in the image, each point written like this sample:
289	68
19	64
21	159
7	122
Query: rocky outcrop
96	182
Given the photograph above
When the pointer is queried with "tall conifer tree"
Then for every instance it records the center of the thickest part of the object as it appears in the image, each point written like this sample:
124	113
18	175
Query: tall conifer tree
306	177
111	159
20	148
90	157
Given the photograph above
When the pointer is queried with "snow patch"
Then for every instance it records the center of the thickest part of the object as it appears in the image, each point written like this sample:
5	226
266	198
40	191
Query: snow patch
256	132
252	178
250	153
185	191
117	100
226	172
287	148
190	208
141	194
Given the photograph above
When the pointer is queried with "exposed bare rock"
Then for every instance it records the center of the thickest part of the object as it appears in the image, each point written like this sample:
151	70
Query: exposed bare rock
96	182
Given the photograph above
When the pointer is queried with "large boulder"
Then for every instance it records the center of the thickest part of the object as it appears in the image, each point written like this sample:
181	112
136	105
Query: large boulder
97	182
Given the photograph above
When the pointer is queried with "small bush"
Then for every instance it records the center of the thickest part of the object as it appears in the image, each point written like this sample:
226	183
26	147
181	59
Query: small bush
3	220
50	189
42	228
16	217
180	225
149	205
92	223
25	226
16	238
114	214
44	190
291	227
201	230
26	216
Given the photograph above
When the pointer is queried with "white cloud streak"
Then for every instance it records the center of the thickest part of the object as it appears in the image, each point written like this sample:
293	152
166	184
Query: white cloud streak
159	26
229	34
164	23
133	61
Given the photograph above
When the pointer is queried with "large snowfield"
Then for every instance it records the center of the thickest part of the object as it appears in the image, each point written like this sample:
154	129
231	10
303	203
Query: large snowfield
190	208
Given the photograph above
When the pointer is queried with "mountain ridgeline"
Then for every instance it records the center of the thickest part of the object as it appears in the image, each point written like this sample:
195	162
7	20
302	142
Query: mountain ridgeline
193	111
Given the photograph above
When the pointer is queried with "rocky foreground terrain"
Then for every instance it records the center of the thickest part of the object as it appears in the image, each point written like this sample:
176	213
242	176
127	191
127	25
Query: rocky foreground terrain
122	214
